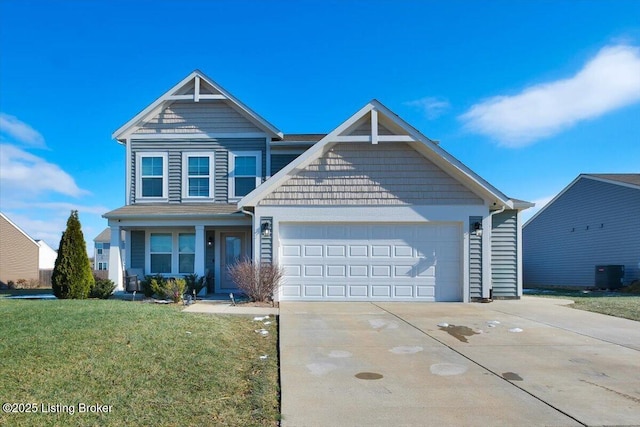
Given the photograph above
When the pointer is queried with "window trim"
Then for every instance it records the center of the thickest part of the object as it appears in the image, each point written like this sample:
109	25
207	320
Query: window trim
175	251
165	176
185	176
232	162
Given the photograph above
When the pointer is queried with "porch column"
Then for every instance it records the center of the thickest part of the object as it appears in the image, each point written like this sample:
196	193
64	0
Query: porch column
115	259
199	267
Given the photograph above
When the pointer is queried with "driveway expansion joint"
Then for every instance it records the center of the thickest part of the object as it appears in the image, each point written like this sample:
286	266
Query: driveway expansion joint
479	364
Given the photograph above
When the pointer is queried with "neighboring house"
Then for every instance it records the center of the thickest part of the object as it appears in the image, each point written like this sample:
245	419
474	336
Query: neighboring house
592	222
373	210
102	248
19	253
47	256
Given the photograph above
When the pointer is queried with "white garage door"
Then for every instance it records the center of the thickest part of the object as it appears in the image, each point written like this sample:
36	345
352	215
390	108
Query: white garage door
360	262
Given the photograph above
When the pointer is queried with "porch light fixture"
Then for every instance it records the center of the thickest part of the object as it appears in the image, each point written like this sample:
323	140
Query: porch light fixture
477	228
265	227
210	241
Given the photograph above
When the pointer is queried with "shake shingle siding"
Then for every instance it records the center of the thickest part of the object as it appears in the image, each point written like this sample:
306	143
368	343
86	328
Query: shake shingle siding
175	148
504	253
591	223
354	173
200	117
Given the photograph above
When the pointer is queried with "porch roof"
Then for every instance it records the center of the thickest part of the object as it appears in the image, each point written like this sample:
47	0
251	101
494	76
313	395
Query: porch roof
178	210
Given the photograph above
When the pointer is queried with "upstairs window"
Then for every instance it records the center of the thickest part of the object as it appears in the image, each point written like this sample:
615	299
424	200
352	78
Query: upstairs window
152	176
245	171
197	175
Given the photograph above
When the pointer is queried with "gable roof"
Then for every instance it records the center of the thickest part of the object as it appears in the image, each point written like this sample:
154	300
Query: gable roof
617	178
384	126
629	180
11	223
198	80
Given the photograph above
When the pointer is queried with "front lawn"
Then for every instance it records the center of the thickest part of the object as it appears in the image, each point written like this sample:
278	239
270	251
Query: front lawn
150	364
612	303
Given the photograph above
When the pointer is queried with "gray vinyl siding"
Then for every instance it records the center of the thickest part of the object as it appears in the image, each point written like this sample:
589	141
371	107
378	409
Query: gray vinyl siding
205	116
475	260
266	243
591	223
366	174
175	148
504	254
278	161
137	249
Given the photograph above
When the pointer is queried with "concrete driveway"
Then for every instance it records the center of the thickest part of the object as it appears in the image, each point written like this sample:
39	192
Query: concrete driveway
507	363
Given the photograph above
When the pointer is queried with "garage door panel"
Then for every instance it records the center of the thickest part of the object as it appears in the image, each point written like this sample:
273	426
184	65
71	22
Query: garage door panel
358	250
371	261
403	291
291	250
378	251
313	291
313	271
292	270
336	271
358	291
337	290
358	271
381	290
336	251
378	271
403	251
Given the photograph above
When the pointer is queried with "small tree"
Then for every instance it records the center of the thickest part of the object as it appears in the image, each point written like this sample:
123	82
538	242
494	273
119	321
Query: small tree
259	281
72	276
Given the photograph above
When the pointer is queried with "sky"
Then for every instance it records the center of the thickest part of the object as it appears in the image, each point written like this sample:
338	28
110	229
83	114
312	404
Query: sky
528	94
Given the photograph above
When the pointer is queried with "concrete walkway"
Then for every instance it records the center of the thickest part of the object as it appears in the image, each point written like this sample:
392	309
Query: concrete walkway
216	307
530	362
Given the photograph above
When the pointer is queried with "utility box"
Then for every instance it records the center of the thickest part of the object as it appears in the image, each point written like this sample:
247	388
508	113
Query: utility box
609	276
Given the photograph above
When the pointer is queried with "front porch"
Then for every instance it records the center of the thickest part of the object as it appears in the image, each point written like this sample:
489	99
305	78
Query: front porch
179	243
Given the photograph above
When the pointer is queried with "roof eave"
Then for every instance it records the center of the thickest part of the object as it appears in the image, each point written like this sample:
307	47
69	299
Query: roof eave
122	133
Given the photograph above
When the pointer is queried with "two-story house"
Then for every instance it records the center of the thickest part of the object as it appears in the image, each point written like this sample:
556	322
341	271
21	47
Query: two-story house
374	210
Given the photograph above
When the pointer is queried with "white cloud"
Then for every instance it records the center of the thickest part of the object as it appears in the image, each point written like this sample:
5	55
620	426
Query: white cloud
609	81
21	131
431	106
22	172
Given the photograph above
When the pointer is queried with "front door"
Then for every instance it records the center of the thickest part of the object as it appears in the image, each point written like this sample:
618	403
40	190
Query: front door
233	248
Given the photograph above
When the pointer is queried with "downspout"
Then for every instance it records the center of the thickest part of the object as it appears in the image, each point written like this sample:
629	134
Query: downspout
491	214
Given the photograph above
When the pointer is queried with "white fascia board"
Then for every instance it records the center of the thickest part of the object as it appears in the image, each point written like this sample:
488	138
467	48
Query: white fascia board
19	229
125	130
128	128
427	146
236	103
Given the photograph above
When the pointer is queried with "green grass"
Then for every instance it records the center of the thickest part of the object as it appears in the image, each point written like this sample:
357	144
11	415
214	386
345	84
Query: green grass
612	303
153	364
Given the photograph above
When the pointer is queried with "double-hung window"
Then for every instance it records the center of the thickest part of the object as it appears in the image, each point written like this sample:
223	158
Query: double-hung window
197	176
172	253
152	176
245	171
160	250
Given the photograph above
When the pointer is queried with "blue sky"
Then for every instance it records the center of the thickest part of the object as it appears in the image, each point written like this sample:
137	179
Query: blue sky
528	94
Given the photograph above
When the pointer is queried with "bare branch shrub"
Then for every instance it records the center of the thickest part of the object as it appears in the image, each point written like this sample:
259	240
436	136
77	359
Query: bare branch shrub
258	281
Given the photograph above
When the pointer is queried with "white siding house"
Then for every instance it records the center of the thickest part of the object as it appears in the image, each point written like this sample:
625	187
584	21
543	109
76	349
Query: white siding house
593	222
372	211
